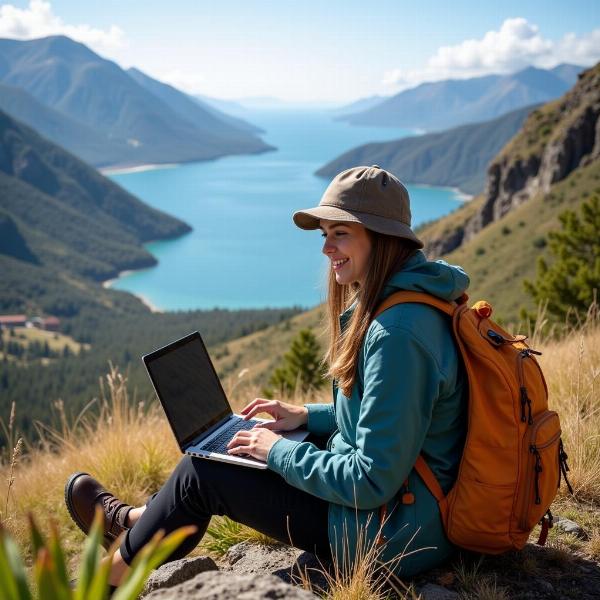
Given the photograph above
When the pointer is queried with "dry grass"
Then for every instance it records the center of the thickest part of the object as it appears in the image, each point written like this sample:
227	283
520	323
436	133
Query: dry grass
128	448
132	451
572	369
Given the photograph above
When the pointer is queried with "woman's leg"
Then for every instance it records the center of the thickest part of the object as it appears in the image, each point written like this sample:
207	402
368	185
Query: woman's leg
134	515
200	488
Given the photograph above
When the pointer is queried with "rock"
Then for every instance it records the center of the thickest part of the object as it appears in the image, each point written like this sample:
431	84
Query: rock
571	527
431	591
446	243
178	571
260	558
286	562
220	585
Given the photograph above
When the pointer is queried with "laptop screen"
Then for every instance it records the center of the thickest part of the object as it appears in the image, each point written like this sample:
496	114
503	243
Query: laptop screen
188	387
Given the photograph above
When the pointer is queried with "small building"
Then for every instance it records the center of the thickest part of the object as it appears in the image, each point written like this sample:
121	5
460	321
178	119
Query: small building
47	323
12	321
51	323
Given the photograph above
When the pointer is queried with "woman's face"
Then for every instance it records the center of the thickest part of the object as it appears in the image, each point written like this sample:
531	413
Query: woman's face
348	246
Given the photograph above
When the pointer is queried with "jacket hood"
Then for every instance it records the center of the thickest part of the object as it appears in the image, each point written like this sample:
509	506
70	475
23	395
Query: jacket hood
437	278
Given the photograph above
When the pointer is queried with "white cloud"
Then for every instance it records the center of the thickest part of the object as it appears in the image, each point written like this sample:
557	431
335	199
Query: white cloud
38	20
516	45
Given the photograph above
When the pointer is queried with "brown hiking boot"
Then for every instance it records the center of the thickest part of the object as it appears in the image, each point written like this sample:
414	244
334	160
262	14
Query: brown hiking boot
82	494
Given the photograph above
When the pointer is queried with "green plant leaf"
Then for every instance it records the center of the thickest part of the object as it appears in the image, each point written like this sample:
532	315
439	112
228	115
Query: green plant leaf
150	557
60	573
91	556
9	584
12	571
98	589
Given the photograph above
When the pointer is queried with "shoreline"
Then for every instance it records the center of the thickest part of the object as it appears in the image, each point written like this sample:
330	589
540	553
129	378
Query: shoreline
109	283
124	170
461	196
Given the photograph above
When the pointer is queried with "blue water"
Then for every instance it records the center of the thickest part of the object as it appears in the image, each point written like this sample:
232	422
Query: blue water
245	250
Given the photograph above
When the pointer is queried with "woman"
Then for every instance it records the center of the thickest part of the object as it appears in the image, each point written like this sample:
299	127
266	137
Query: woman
399	391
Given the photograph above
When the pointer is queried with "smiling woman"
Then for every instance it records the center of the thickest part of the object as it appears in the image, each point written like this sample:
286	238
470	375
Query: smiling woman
399	392
348	246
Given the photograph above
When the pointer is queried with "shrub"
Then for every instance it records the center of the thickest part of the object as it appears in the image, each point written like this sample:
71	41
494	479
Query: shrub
301	367
569	285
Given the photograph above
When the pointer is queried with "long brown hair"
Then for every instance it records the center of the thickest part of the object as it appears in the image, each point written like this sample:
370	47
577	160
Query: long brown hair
388	255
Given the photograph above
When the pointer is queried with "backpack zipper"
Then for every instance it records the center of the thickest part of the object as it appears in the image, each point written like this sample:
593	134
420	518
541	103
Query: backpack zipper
535	467
525	399
563	467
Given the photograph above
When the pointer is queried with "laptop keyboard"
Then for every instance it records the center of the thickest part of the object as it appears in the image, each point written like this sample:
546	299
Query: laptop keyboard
219	443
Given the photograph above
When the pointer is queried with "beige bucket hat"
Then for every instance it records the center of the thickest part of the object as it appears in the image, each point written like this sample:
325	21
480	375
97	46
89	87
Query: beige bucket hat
367	195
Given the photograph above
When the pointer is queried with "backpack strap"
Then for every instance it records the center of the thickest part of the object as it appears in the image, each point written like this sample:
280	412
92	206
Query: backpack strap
449	308
429	479
405	296
433	485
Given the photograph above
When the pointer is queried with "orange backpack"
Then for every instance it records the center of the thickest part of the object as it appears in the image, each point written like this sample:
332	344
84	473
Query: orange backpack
513	455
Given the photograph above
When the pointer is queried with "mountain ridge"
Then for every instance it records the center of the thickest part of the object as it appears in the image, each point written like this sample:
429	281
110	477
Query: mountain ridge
552	143
72	80
457	157
442	104
65	208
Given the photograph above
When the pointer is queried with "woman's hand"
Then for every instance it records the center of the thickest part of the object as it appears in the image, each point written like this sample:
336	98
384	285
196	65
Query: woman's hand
255	442
287	416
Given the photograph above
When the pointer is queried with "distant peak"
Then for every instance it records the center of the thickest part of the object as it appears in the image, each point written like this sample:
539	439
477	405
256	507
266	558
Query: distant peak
61	45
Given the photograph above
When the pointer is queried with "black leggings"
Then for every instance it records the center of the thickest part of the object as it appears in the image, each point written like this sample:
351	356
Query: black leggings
261	499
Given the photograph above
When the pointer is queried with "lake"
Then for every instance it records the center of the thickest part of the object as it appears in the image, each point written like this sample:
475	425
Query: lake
245	251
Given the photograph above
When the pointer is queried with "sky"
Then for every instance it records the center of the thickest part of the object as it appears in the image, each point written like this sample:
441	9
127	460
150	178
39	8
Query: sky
316	51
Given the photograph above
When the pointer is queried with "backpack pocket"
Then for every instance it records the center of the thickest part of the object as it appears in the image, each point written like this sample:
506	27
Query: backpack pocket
541	468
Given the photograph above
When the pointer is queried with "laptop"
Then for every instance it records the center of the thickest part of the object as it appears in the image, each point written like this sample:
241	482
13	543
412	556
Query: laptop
195	403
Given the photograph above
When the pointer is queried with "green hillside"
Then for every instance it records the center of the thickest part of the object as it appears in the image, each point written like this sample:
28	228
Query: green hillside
457	157
85	142
500	256
69	215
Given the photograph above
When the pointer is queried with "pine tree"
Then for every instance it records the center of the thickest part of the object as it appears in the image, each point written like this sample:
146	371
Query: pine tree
301	367
569	285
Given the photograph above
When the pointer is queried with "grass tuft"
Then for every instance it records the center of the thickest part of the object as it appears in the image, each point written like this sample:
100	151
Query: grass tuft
223	533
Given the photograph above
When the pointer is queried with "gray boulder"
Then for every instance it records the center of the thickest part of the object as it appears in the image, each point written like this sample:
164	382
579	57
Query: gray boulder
286	562
220	585
178	571
571	527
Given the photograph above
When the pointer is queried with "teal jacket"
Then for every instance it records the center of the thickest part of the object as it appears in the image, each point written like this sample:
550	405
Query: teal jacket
409	397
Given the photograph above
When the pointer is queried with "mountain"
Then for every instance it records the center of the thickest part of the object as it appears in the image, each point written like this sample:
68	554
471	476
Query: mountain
64	215
69	78
443	104
192	109
229	107
76	137
359	105
568	73
552	164
454	158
